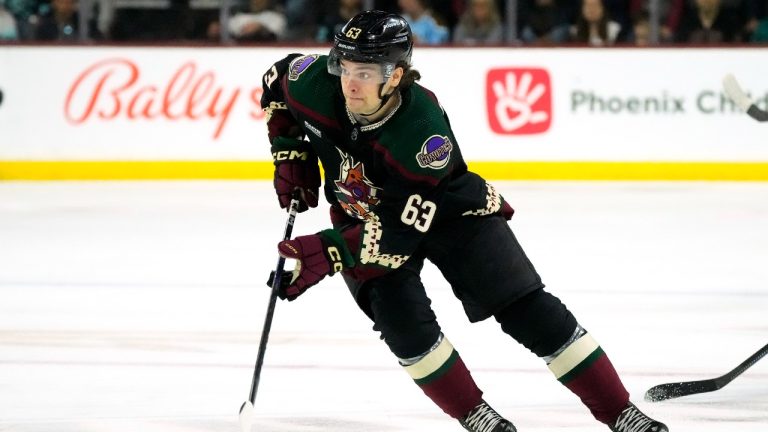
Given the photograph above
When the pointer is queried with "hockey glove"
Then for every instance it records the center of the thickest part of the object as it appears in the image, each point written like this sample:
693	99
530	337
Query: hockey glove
317	256
295	168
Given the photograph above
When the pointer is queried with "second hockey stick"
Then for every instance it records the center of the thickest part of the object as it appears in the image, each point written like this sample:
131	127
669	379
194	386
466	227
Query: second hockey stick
740	98
246	410
674	390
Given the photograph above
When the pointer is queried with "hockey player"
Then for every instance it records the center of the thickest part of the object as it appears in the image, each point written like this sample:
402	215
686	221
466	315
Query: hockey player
401	193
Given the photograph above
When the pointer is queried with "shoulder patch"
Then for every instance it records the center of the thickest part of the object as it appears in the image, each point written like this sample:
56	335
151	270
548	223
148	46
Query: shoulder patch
299	65
435	152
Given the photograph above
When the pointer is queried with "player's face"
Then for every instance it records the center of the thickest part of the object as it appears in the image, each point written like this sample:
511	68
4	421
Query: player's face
361	83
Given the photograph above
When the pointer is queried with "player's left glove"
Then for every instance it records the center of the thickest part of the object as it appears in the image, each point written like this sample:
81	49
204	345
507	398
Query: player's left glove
295	168
317	255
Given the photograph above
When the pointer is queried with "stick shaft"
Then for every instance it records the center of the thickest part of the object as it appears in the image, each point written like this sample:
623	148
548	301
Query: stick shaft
746	364
272	301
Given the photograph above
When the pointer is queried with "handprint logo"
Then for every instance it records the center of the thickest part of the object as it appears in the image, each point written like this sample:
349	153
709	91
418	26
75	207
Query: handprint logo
519	100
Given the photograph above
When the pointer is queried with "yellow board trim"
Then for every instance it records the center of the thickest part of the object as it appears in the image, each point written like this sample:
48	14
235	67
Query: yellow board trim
586	170
135	170
573	355
491	170
431	362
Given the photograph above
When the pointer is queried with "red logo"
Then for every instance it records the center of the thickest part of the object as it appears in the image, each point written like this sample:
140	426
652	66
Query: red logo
519	100
115	88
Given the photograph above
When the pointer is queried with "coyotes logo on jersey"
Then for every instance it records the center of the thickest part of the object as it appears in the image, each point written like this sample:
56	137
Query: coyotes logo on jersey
354	191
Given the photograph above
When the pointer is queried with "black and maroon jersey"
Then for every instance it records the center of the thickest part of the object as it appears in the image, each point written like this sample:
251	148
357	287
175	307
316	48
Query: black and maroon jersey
397	177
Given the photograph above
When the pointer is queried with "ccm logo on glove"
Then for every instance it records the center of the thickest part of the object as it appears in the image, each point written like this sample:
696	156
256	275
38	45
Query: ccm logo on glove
335	256
317	256
289	155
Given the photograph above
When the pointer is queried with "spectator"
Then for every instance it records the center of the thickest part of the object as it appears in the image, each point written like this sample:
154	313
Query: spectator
150	20
670	12
336	17
301	18
448	12
386	5
104	11
61	23
425	28
8	28
204	21
618	11
24	13
641	30
262	23
480	24
749	13
760	12
710	22
760	35
594	26
759	9
544	23
210	31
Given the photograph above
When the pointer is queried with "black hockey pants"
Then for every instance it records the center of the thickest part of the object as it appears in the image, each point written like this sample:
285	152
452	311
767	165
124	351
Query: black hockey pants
487	270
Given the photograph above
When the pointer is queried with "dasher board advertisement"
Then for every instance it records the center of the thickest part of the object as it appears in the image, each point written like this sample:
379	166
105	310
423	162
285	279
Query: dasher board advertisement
506	105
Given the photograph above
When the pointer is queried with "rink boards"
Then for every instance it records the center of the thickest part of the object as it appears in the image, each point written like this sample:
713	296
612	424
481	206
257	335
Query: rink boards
193	112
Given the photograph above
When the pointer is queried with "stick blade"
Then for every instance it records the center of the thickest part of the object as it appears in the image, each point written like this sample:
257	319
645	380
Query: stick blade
246	416
675	390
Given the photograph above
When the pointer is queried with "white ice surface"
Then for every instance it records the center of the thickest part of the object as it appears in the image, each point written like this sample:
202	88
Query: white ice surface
138	306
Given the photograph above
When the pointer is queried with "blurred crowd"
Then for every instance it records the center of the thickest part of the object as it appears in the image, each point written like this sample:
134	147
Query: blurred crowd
434	22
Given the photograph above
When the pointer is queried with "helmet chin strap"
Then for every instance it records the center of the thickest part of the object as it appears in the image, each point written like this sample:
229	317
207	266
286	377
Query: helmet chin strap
384	99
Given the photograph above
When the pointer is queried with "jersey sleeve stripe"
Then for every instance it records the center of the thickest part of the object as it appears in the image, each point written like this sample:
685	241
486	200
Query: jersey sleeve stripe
314	115
410	175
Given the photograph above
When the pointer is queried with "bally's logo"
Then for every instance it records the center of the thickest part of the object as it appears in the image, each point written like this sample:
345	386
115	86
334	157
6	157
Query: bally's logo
435	152
300	65
519	100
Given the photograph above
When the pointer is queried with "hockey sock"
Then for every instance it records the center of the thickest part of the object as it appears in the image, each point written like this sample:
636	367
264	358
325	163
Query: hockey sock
585	369
445	379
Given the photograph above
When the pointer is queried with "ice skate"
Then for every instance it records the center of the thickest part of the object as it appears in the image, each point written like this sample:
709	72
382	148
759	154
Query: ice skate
483	418
633	420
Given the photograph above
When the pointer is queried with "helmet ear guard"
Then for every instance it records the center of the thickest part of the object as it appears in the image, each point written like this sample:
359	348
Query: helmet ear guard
372	37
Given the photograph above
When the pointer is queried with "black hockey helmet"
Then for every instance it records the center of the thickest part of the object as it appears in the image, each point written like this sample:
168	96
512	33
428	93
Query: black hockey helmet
372	37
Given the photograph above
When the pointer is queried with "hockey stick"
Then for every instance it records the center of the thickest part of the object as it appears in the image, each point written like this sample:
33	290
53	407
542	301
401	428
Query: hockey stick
737	95
674	390
246	410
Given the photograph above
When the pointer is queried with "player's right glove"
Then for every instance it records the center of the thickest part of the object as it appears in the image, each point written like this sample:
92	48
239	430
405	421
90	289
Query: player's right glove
317	256
295	168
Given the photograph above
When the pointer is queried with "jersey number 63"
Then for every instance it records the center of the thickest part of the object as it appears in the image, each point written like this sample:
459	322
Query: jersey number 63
418	212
